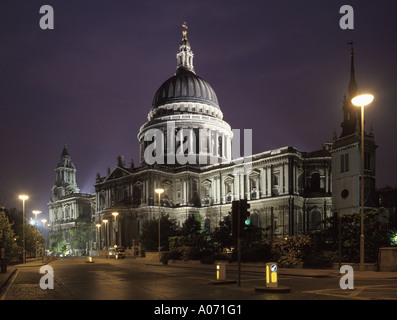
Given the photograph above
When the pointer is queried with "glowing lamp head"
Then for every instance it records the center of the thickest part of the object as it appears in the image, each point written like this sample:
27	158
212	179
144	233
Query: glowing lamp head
362	100
23	197
105	220
159	190
115	213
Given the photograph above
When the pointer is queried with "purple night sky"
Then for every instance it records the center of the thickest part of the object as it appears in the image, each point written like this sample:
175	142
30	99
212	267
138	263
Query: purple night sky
280	68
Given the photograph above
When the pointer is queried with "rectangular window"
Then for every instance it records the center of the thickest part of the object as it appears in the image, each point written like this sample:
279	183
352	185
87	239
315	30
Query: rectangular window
367	161
344	162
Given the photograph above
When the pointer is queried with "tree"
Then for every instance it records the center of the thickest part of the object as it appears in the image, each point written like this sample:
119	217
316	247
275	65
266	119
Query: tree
12	250
192	232
149	236
58	243
82	234
222	235
374	236
33	240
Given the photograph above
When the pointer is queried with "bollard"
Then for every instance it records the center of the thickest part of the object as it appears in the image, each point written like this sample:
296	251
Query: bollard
221	275
89	260
221	271
271	275
272	281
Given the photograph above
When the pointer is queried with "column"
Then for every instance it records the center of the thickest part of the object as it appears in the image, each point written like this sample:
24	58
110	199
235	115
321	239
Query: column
262	181
191	141
241	178
236	185
326	179
287	176
213	190
184	191
222	191
269	180
282	178
247	188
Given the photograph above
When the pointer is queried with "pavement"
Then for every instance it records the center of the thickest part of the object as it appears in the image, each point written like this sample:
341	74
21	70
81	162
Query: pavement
245	267
11	269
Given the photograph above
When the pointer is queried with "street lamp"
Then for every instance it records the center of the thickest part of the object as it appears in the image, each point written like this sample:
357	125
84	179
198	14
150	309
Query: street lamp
98	232
23	198
159	191
36	212
116	229
45	241
362	101
106	238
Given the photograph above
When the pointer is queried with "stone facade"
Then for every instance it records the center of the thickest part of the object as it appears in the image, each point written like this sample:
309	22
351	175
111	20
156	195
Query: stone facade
67	203
289	191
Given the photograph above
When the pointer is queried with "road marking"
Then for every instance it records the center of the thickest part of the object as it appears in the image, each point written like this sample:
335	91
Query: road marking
352	294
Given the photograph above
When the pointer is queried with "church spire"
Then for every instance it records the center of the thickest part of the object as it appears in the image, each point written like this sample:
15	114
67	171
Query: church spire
352	84
185	55
350	113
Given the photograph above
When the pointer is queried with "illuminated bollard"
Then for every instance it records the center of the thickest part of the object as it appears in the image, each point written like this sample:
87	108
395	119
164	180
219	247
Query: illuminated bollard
221	275
272	281
271	275
89	260
221	271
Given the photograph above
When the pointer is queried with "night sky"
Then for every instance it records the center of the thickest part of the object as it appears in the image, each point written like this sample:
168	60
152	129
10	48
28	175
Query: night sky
280	68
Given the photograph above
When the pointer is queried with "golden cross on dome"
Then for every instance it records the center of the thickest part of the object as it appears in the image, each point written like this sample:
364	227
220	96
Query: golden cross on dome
184	31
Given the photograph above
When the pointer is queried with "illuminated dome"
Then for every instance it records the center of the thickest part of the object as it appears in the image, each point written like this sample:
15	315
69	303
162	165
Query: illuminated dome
185	108
185	86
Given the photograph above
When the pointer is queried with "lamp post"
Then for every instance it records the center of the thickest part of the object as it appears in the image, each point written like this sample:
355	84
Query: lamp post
45	241
362	101
36	212
105	221
23	198
98	225
159	191
116	229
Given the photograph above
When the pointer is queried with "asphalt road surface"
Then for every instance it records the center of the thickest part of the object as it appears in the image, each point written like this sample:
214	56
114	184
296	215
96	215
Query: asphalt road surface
110	279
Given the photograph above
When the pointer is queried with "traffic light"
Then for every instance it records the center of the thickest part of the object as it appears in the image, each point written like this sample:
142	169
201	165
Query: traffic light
240	207
235	213
245	214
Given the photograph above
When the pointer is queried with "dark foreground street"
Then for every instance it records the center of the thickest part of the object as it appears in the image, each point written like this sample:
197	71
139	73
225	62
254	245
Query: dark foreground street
127	279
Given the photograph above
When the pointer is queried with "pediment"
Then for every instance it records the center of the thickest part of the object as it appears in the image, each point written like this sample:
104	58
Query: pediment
117	173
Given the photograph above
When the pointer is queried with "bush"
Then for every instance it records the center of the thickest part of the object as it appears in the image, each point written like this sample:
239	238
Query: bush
185	253
291	251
